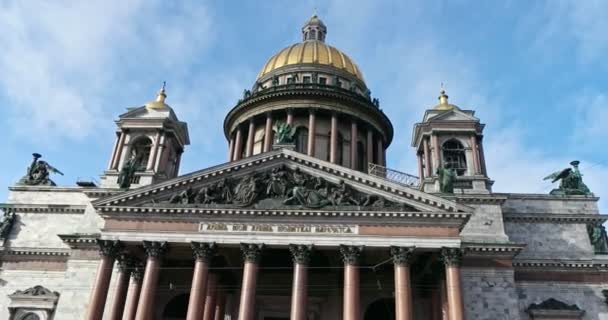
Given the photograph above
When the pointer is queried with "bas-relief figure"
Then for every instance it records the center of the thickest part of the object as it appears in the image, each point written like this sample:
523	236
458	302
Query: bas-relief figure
38	173
571	181
278	187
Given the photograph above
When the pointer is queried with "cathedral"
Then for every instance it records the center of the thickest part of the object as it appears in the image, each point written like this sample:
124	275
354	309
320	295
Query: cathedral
304	220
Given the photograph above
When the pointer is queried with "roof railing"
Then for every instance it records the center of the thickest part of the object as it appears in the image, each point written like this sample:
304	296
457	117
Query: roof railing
393	175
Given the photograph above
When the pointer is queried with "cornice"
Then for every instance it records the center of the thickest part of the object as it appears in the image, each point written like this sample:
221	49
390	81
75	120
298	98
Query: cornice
480	199
45	208
502	250
559	218
542	196
80	241
564	264
39	252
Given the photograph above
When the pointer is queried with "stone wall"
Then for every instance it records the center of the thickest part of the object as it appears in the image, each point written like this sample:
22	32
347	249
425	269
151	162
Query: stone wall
486	224
586	296
551	240
489	294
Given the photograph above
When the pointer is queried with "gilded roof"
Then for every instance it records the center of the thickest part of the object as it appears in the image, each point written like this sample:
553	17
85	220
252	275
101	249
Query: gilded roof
313	52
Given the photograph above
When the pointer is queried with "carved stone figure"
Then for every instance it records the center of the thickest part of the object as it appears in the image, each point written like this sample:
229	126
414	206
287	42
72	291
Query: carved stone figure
125	177
284	133
315	77
376	102
598	238
277	183
571	181
246	191
38	173
206	195
275	81
246	94
341	195
446	180
184	197
6	222
300	195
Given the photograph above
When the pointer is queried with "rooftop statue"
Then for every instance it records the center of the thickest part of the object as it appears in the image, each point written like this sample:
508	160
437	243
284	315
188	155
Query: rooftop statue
125	177
571	181
6	222
446	179
284	133
38	173
598	238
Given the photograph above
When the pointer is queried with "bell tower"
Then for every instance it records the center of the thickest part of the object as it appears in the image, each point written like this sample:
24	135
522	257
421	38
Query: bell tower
151	140
451	138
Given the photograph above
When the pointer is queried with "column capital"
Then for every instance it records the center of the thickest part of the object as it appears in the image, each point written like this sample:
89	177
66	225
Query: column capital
204	250
125	262
402	255
350	254
109	248
300	253
155	248
137	272
252	252
451	256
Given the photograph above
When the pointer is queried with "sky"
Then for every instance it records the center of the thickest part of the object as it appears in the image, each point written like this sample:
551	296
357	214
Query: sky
535	72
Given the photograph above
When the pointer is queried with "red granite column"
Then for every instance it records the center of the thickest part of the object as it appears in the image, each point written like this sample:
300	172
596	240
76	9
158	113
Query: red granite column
211	298
133	292
312	129
403	288
238	145
428	167
251	254
155	251
108	249
230	149
353	144
203	253
370	148
333	139
351	307
268	133
445	310
220	306
452	258
250	136
299	290
118	304
289	117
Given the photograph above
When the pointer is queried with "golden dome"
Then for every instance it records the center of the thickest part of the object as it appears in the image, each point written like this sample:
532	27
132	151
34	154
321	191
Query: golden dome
443	102
311	52
159	103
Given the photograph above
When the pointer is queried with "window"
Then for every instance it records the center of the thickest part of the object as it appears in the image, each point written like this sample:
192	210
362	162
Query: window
302	140
290	80
140	149
322	80
454	156
306	79
30	316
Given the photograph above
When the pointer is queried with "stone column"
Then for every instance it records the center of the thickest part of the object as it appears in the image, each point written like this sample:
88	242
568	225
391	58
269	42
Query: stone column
351	308
250	136
238	145
353	144
428	166
220	306
420	167
125	265
299	290
153	151
452	258
443	292
312	129
161	147
210	299
482	158
380	150
370	148
475	152
203	253
251	254
108	249
333	139
289	117
268	133
155	251
114	151
119	147
133	292
436	152
403	288
230	149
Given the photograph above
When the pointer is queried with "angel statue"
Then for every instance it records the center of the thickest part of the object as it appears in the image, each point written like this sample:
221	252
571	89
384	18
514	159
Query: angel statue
571	181
446	179
38	173
284	133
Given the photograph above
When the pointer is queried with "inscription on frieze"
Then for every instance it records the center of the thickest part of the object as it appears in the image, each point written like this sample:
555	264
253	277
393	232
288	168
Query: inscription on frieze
276	228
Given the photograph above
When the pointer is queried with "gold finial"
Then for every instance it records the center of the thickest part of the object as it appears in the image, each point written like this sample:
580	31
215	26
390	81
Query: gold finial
443	98
161	94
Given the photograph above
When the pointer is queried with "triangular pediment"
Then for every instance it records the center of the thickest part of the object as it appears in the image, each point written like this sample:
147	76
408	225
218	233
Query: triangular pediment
281	179
453	115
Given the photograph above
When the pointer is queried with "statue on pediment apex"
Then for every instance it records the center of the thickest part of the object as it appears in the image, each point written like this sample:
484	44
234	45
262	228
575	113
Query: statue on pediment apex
38	173
570	181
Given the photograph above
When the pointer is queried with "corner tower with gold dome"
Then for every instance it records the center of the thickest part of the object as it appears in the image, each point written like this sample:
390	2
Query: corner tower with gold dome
318	90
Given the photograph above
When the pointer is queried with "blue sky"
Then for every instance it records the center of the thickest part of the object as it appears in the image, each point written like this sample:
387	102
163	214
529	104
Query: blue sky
535	72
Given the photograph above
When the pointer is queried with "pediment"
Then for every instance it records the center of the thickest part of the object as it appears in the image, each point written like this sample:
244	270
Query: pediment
454	115
281	179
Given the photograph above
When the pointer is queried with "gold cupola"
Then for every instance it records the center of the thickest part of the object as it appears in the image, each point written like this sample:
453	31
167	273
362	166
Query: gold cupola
159	102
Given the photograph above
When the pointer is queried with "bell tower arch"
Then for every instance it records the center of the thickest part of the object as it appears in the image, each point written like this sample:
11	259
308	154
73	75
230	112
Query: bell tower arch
149	144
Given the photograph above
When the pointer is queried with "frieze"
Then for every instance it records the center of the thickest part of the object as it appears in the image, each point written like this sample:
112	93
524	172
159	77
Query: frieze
277	228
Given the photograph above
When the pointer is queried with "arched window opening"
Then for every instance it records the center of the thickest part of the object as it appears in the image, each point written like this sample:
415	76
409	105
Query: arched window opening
140	151
30	316
302	139
361	157
454	156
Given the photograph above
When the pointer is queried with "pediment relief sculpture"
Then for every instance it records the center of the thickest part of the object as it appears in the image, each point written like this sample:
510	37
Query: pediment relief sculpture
36	291
277	187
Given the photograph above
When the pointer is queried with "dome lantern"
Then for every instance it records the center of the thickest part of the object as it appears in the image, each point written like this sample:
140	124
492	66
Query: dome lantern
314	29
